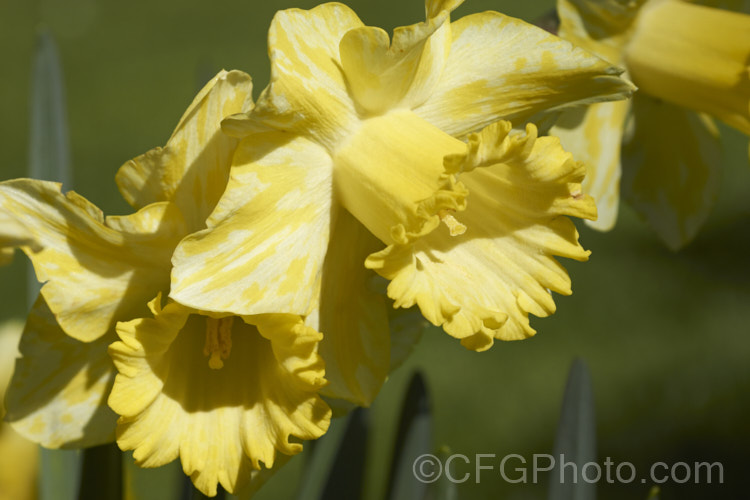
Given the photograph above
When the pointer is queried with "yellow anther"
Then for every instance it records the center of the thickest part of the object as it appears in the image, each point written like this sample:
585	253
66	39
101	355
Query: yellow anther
218	341
454	227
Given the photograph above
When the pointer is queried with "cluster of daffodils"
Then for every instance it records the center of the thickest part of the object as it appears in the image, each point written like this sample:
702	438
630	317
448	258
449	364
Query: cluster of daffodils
691	63
245	296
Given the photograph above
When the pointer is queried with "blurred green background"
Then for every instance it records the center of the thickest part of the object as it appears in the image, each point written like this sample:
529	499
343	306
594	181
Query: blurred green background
666	335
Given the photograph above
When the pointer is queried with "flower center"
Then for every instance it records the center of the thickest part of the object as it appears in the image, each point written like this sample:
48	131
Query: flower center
695	57
218	341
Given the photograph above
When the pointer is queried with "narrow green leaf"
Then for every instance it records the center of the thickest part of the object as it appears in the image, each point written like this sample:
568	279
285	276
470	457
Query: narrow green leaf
444	488
347	473
49	158
319	456
160	483
49	142
575	443
101	473
413	440
58	474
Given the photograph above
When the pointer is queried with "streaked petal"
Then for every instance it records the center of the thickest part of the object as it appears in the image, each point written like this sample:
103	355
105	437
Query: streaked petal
593	135
96	272
671	168
307	92
352	316
222	423
13	234
268	236
193	168
482	284
58	394
502	68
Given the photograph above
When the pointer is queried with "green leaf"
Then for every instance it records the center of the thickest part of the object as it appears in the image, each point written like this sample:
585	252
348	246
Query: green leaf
326	459
575	443
58	474
49	142
49	158
160	483
101	473
413	440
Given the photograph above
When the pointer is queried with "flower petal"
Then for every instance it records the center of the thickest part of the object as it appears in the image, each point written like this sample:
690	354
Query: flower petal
352	316
482	284
57	396
193	168
13	234
221	422
671	165
593	135
602	27
502	68
97	272
384	75
267	240
307	91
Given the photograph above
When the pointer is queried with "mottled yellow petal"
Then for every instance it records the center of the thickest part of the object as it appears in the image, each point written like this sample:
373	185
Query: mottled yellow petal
268	236
223	422
58	394
482	284
694	56
502	68
593	135
307	92
193	168
96	271
671	168
352	316
12	235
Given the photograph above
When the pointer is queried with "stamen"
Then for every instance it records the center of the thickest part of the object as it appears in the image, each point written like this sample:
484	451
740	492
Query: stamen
454	227
218	341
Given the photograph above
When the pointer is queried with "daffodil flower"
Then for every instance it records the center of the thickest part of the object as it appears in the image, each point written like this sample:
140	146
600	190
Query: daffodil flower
690	63
176	389
361	142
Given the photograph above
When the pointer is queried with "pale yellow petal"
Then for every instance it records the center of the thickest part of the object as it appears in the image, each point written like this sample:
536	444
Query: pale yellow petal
694	56
268	236
193	168
593	135
58	394
308	91
383	75
482	284
671	168
352	316
502	68
96	272
13	234
223	423
602	27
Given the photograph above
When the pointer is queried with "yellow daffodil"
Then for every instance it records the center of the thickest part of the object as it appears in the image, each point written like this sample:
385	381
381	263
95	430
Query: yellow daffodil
690	63
222	393
19	458
361	142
